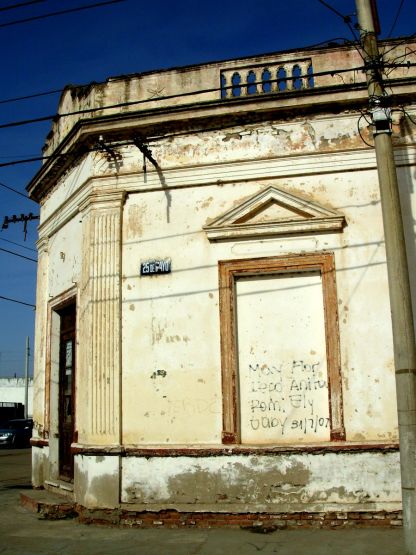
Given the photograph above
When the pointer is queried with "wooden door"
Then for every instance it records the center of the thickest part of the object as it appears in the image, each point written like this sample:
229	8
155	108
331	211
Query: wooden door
67	391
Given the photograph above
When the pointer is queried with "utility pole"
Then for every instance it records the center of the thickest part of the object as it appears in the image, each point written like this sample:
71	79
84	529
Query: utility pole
398	273
27	354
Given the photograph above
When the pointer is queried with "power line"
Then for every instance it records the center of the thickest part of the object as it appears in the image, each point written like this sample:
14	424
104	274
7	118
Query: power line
29	96
158	99
20	5
61	12
15	191
16	301
346	18
406	39
19	255
396	18
56	91
18	244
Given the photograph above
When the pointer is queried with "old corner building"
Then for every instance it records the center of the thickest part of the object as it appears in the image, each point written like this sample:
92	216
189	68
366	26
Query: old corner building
213	333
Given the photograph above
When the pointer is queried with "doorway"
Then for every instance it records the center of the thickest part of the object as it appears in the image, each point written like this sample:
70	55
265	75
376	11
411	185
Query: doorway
66	390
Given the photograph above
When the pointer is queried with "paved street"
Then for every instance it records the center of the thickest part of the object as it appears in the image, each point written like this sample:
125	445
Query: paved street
22	533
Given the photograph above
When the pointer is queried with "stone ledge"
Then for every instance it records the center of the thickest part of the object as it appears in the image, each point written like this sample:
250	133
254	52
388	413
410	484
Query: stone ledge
50	506
47	505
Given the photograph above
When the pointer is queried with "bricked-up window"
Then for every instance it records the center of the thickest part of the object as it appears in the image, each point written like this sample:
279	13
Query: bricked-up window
280	350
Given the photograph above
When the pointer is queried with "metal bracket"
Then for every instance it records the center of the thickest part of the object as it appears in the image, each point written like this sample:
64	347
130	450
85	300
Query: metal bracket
112	155
147	154
15	219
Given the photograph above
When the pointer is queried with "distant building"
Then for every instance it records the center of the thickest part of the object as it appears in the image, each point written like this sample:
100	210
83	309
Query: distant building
12	390
213	328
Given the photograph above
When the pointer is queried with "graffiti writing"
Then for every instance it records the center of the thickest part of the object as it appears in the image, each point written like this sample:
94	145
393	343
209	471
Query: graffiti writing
287	398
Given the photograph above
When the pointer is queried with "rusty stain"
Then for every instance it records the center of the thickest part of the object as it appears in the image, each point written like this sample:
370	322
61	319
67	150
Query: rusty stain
134	222
132	307
157	331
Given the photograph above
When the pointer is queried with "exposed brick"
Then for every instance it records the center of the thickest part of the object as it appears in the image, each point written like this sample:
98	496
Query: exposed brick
262	521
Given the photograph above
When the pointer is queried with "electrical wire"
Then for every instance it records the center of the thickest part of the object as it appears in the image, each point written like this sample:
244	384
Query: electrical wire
162	98
19	255
56	91
396	18
18	244
61	12
14	191
406	39
347	20
20	5
30	96
16	301
406	113
359	132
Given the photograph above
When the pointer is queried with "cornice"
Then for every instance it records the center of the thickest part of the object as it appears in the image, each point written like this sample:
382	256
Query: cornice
222	173
199	116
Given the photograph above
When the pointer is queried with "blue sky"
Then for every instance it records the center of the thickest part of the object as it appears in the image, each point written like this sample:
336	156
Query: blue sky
126	37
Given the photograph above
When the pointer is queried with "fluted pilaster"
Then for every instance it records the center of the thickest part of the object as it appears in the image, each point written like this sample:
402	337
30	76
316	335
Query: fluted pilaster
40	415
98	370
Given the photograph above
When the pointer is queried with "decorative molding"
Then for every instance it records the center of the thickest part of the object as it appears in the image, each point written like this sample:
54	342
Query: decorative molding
54	304
224	173
39	442
221	450
228	271
42	245
100	318
290	215
103	198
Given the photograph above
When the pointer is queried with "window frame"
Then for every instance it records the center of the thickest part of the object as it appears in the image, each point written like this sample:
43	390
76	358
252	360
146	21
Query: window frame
229	271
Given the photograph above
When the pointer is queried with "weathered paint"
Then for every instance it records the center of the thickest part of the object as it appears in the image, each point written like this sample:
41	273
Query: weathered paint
283	382
149	367
97	481
281	483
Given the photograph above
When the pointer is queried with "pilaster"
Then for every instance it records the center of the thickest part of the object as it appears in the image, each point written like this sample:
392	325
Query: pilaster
41	323
99	348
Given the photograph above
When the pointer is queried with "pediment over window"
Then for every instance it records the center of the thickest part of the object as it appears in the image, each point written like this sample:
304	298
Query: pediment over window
274	212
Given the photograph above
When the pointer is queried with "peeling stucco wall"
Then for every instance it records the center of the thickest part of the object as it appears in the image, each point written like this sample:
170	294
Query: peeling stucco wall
170	322
149	366
280	483
97	481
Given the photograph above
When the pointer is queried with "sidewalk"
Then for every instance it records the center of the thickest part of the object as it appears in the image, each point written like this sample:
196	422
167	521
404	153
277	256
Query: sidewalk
23	533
